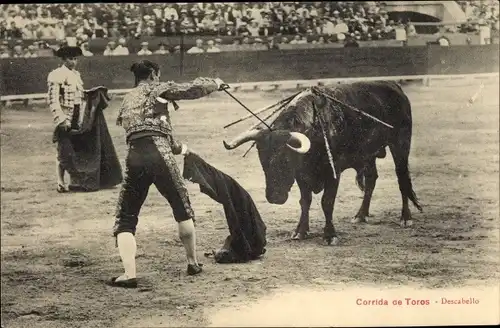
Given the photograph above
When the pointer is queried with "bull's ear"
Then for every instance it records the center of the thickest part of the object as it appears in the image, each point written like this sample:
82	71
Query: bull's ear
277	137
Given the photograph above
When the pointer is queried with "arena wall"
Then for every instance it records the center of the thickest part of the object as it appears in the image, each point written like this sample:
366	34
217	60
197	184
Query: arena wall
21	76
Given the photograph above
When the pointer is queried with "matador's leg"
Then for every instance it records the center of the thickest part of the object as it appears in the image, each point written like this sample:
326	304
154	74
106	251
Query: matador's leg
61	186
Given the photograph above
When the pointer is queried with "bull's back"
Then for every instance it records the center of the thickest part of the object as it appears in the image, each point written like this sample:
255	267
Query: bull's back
384	99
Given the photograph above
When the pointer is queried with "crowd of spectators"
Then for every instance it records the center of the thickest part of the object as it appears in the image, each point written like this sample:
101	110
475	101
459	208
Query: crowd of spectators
255	23
57	21
480	13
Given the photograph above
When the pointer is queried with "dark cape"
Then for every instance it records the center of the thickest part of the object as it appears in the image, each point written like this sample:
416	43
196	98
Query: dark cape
247	239
87	151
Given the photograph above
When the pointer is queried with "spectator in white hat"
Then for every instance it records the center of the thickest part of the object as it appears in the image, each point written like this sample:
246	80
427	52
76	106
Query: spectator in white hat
340	37
443	41
313	12
110	48
18	51
170	13
4	51
85	50
236	12
186	22
121	49
144	49
400	33
410	29
21	19
59	30
46	32
253	29
328	27
30	52
208	23
211	46
162	50
198	48
341	26
296	40
28	32
303	11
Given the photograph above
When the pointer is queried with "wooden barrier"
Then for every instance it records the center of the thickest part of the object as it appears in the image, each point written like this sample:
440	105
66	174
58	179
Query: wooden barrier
26	78
267	86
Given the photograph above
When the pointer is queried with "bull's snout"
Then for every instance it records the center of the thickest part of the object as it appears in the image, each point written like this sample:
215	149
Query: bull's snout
276	197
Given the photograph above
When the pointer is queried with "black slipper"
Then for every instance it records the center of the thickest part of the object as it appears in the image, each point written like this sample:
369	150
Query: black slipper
194	269
76	188
129	283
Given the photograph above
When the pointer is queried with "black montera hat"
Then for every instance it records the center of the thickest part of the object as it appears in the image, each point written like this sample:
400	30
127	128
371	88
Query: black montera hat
67	52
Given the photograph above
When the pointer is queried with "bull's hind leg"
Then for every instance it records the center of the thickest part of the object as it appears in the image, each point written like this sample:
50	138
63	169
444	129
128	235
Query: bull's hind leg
305	204
328	203
370	177
400	150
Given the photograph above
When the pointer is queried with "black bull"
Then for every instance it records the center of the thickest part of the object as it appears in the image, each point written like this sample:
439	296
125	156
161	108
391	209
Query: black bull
355	142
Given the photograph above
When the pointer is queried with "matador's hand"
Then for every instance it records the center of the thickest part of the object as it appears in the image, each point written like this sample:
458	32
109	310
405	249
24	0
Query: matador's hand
186	151
221	85
66	125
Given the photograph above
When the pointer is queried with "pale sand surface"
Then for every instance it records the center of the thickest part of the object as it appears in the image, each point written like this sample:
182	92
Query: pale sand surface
337	306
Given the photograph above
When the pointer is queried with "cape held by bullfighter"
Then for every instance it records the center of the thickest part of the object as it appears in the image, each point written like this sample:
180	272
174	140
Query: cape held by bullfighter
247	237
87	151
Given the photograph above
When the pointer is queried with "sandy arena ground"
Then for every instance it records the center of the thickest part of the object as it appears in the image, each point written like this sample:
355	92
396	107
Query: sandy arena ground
57	249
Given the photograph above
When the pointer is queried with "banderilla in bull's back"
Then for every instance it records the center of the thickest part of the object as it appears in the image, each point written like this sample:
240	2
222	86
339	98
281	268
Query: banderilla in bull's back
281	102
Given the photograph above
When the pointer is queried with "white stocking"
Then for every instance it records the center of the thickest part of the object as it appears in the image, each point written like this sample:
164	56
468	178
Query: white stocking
127	248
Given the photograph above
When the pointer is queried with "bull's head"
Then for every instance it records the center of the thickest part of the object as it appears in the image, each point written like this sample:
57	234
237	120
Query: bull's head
278	153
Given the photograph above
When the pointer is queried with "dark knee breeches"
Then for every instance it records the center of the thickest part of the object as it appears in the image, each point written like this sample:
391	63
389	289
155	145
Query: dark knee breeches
150	161
63	139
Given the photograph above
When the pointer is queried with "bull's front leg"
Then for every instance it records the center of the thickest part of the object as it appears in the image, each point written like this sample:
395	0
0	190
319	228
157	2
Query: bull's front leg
302	229
328	204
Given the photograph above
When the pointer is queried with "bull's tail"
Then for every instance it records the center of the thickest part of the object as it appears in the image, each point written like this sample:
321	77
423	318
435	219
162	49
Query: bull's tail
400	149
405	184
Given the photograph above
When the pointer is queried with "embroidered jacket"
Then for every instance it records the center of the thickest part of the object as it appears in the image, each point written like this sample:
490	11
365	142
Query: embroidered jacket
140	112
65	91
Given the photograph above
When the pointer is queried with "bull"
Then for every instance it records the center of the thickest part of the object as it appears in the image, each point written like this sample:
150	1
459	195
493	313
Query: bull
295	150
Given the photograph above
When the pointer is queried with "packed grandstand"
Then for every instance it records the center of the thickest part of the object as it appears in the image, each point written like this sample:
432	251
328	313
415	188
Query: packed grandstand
248	24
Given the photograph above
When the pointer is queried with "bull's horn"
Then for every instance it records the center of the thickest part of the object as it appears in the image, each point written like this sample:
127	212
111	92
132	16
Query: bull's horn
242	138
305	143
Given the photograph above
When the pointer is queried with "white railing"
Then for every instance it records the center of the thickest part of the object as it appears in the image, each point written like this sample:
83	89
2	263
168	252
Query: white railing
292	84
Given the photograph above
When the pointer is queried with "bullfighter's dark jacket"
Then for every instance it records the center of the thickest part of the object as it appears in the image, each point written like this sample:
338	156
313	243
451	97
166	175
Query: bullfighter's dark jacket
140	112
